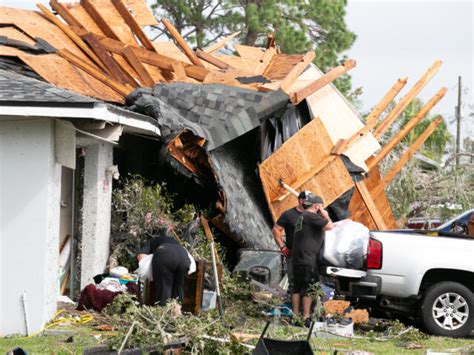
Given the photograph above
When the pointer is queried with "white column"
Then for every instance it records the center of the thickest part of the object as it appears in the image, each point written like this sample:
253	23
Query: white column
96	211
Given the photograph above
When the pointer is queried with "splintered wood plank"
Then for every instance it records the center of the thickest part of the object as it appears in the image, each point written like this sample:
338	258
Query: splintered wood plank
405	101
156	73
293	74
254	54
358	209
180	74
110	82
13	32
133	24
302	156
227	78
281	65
374	161
145	77
182	43
330	76
370	205
75	38
386	100
221	43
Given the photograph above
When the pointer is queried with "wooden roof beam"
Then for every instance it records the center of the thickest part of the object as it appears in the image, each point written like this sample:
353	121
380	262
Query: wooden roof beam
411	151
135	62
298	96
373	161
371	122
110	82
265	61
113	68
370	204
64	12
296	71
98	19
211	59
386	100
221	43
405	101
182	43
75	38
133	24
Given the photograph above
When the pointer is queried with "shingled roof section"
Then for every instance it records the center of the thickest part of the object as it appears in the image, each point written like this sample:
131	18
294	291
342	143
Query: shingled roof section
16	89
216	112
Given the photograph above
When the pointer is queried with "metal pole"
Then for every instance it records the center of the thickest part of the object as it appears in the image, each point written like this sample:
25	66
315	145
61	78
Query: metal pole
458	123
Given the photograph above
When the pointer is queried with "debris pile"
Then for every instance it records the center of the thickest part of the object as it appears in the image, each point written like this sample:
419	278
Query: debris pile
243	126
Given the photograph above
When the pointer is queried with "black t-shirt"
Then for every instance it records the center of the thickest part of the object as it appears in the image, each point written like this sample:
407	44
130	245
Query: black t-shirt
288	220
155	242
308	238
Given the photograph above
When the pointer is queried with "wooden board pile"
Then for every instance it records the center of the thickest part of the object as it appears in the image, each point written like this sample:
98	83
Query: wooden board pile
103	52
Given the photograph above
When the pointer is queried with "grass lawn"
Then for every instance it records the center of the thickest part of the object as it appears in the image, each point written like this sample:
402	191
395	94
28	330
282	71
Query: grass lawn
85	336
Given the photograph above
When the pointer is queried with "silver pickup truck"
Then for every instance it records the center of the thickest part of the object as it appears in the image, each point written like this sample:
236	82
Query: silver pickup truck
426	274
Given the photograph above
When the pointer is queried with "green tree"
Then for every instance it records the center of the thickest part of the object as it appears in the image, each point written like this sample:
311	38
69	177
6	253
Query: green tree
298	25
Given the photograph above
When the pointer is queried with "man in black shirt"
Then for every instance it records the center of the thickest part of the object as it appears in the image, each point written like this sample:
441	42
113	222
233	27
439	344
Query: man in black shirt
307	243
170	265
286	223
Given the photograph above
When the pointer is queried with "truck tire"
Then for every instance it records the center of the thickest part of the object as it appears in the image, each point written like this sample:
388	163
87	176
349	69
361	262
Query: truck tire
447	309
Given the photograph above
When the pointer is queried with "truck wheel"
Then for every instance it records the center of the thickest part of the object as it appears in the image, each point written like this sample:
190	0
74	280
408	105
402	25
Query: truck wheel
447	309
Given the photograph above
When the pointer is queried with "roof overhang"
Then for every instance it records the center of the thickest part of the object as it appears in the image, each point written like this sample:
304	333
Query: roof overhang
132	122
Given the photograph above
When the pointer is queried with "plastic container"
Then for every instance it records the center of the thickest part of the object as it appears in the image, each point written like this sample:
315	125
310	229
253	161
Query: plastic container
208	300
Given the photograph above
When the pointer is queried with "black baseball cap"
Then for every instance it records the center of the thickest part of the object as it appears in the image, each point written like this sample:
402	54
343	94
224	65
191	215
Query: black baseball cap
312	200
304	194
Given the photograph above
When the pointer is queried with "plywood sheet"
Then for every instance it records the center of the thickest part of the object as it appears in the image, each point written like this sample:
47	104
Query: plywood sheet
359	212
35	25
61	73
300	157
254	54
14	33
170	49
238	63
281	65
339	118
141	12
85	20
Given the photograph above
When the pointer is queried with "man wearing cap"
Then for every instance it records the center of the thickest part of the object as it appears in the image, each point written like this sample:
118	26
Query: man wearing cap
307	243
286	223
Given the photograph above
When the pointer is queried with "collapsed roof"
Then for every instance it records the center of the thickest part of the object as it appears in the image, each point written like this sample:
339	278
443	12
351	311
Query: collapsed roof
260	125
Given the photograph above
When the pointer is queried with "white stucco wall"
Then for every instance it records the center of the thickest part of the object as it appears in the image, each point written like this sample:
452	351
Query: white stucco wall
29	223
96	211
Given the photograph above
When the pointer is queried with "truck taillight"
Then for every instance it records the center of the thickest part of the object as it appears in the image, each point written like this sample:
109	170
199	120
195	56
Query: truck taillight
374	255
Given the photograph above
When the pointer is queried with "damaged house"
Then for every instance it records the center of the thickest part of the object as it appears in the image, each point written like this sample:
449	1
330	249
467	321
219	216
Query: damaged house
247	129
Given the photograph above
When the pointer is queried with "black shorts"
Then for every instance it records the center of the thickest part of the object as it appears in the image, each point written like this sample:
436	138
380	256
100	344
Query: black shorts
304	276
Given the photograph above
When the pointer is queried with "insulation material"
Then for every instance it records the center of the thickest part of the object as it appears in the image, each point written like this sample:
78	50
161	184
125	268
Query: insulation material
35	25
304	163
340	119
360	213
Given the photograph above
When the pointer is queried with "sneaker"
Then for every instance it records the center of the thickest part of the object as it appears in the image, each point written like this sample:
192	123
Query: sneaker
307	322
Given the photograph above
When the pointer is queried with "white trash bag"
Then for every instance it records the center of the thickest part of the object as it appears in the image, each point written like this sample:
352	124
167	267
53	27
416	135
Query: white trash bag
144	270
346	244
